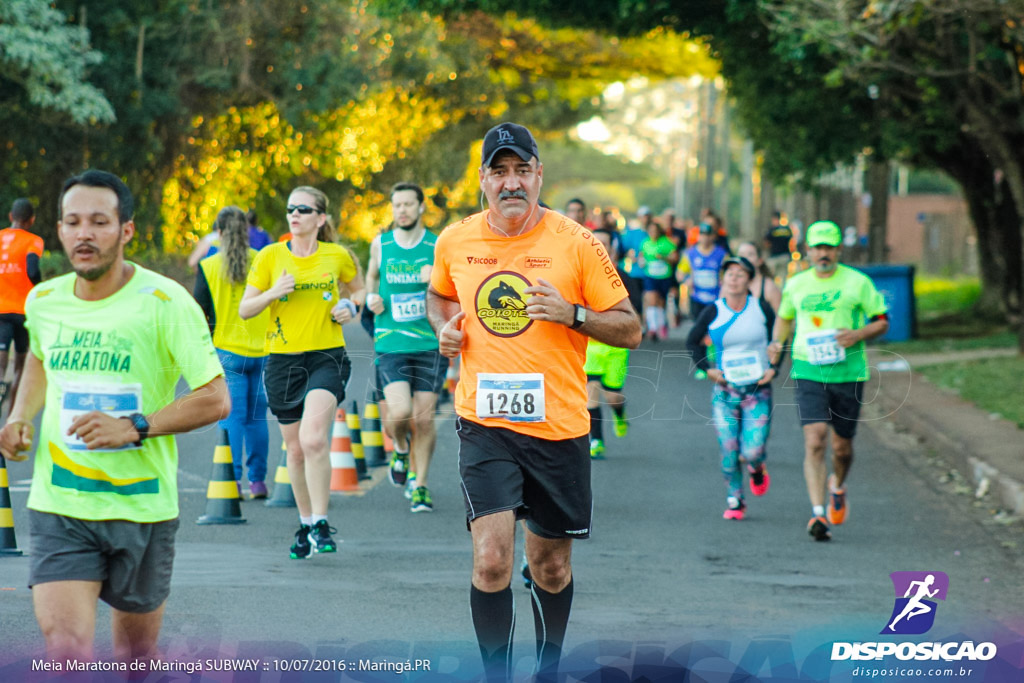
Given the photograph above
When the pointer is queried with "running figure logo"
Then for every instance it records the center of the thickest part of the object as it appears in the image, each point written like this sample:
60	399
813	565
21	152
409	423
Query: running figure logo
914	612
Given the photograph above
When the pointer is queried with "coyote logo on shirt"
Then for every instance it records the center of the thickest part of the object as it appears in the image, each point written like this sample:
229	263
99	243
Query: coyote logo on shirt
500	305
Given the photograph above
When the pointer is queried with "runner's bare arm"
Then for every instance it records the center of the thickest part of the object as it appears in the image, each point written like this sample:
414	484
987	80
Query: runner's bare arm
254	301
16	435
356	287
373	299
199	408
446	316
616	326
875	328
780	337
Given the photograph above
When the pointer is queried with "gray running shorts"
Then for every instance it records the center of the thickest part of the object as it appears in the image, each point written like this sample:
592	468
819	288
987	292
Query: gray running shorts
132	560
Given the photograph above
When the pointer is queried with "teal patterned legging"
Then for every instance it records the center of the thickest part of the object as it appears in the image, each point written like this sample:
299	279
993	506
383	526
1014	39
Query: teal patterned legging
743	420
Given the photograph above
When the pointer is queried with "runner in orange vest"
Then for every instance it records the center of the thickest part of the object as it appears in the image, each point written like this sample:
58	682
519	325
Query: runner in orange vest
20	251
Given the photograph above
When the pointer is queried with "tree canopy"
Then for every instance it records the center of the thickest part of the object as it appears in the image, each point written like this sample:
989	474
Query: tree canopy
235	102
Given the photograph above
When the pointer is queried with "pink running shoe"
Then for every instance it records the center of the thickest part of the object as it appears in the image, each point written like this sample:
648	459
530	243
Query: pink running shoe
737	509
759	480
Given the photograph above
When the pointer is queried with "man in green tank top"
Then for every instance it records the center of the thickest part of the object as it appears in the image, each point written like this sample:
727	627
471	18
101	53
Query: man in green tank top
410	370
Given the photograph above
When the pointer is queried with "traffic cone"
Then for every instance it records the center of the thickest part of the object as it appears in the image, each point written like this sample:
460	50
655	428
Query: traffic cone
372	439
8	543
356	437
283	496
343	463
222	500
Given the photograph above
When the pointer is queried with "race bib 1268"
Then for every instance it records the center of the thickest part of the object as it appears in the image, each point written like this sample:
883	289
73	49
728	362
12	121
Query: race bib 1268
516	397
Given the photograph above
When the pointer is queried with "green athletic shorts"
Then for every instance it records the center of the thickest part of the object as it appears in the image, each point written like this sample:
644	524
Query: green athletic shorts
606	364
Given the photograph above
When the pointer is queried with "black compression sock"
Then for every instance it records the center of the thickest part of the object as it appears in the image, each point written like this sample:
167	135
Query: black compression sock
550	618
494	618
620	409
596	432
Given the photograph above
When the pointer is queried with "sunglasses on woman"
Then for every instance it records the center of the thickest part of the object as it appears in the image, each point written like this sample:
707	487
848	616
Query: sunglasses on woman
301	208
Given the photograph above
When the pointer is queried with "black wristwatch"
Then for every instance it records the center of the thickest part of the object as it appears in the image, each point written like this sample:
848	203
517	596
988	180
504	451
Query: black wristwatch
579	317
141	425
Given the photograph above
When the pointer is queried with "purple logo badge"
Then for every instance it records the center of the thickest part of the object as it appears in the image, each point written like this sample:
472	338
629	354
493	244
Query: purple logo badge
916	592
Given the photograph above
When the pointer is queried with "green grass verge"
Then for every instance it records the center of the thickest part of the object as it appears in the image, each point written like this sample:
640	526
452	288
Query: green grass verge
994	385
930	342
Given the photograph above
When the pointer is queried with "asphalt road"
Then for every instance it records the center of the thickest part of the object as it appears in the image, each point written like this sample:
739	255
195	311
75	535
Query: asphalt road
663	583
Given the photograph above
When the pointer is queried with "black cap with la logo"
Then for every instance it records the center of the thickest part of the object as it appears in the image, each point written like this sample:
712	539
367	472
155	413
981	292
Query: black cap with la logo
509	136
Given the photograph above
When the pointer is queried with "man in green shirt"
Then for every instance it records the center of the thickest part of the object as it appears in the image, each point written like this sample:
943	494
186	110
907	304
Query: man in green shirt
835	309
108	344
410	370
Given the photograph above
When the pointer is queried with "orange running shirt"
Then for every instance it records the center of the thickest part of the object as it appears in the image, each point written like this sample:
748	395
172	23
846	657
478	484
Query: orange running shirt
15	246
487	273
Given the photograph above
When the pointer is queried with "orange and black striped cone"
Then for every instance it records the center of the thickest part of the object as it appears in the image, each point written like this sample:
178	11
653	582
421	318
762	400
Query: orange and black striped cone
283	496
222	500
8	543
356	437
343	463
372	438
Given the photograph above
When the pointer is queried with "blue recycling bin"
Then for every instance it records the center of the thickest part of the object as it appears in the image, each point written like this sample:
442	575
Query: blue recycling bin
896	283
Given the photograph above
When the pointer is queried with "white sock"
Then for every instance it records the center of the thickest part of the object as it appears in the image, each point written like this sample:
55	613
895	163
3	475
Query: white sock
819	510
318	518
308	521
652	318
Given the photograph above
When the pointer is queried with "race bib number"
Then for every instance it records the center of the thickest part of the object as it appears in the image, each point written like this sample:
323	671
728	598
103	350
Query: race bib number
512	397
116	400
657	269
405	308
742	367
823	349
705	279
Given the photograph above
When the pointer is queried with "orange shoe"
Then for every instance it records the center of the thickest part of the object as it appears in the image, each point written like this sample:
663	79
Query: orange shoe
818	529
837	505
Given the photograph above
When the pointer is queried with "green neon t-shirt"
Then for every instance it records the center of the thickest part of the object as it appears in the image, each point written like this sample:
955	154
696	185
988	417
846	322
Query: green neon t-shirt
122	354
846	300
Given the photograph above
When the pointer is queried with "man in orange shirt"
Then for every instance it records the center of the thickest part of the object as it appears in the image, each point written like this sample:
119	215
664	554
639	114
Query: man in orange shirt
517	290
19	272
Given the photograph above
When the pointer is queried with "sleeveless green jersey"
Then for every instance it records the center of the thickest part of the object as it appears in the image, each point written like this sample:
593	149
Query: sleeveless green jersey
404	277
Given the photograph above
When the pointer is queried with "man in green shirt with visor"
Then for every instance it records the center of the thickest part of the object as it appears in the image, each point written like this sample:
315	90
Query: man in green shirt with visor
835	310
108	344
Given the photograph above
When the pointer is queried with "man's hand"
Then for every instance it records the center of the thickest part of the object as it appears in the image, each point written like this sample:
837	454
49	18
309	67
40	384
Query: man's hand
16	440
774	351
451	337
847	338
375	302
284	286
546	303
99	430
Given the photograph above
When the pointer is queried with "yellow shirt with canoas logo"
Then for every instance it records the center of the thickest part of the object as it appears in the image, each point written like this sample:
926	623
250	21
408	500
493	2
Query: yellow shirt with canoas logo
301	321
151	332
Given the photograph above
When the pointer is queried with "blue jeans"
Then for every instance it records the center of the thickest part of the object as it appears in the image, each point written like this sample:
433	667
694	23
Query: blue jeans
247	423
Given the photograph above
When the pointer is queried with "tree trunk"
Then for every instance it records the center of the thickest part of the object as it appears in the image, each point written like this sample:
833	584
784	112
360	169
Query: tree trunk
997	226
878	214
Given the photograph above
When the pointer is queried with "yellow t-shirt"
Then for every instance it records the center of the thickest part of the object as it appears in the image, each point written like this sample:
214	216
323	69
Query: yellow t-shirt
243	337
301	321
536	381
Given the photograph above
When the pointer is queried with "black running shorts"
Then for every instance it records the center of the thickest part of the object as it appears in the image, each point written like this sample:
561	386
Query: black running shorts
547	483
12	328
837	403
290	376
423	370
131	560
